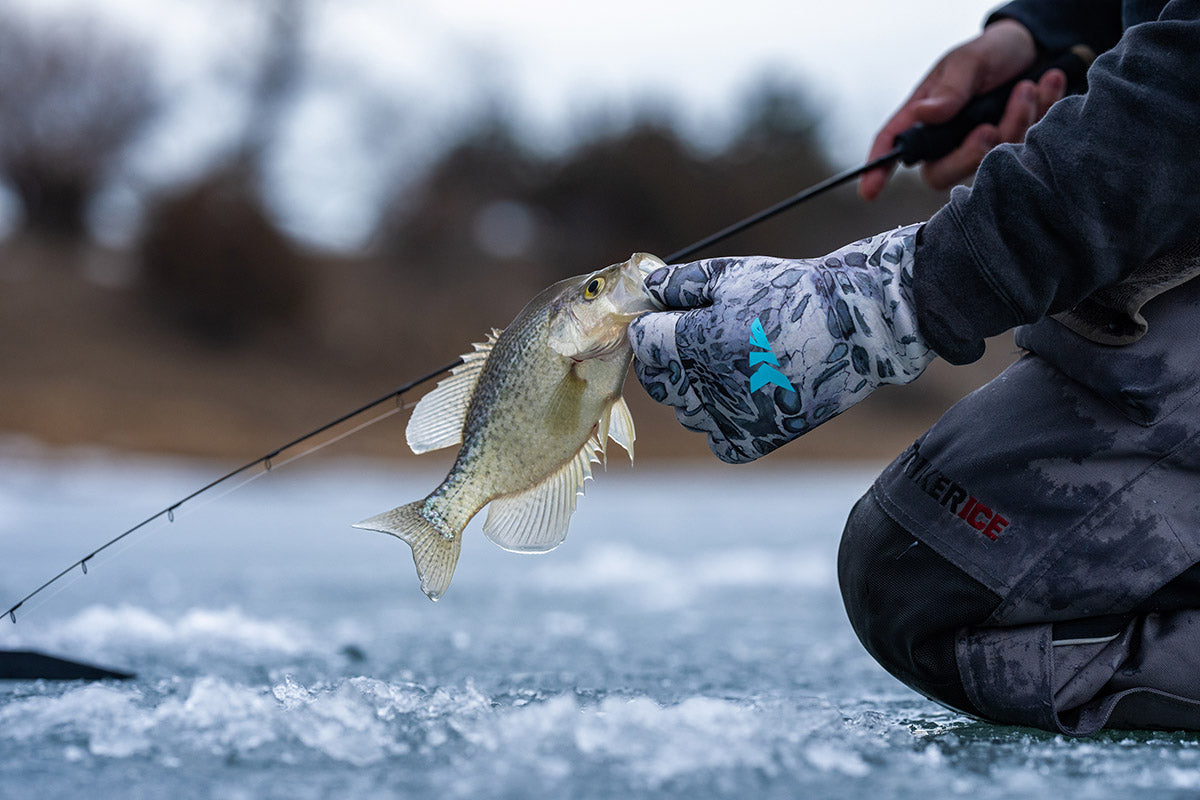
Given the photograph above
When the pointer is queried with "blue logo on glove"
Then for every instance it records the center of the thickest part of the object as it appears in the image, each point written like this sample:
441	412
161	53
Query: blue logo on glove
767	371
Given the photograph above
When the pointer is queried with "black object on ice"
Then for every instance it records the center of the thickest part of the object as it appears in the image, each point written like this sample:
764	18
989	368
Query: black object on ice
27	665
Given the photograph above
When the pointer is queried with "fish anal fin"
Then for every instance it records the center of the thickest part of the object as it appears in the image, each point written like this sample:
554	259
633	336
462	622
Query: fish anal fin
434	553
438	419
536	520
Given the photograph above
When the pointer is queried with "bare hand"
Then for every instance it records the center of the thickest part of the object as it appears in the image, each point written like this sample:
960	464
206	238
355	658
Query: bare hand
1004	50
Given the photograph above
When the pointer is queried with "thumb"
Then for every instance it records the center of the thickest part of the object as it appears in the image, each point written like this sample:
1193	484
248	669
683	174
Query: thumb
947	96
686	285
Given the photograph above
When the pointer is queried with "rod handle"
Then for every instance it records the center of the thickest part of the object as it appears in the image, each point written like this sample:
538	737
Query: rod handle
931	142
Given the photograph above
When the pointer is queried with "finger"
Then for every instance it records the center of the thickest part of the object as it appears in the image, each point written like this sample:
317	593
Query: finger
961	75
946	98
885	140
952	169
939	96
657	383
653	338
1020	112
872	183
660	371
685	285
691	413
725	450
1050	89
695	418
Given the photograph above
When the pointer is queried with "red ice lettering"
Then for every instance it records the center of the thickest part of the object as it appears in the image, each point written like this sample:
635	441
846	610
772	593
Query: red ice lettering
966	509
992	531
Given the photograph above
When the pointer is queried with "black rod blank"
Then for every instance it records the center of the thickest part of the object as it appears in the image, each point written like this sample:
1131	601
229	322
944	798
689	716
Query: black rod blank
264	461
919	143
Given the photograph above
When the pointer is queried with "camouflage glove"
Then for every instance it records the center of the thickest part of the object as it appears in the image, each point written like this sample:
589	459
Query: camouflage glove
757	351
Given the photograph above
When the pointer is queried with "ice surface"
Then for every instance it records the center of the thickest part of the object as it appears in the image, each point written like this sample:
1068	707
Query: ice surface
686	641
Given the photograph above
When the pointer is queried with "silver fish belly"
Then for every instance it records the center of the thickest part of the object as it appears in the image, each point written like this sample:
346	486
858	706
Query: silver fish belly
533	408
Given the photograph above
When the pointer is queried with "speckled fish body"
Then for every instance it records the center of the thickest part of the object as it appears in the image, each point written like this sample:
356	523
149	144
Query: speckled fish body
533	408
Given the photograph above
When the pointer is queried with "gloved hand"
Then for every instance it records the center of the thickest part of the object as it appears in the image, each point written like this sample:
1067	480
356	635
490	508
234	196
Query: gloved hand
757	351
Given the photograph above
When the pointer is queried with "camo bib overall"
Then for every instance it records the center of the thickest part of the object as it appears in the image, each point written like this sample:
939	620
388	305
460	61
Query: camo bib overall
1067	493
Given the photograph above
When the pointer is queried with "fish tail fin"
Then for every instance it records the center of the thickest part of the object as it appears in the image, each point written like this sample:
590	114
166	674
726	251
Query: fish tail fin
434	553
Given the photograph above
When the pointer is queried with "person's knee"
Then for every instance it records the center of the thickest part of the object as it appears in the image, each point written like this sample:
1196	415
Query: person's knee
906	603
884	602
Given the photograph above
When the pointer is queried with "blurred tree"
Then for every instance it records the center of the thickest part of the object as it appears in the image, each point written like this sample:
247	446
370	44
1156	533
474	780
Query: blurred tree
216	265
776	113
276	77
639	188
489	203
73	96
777	141
212	258
442	216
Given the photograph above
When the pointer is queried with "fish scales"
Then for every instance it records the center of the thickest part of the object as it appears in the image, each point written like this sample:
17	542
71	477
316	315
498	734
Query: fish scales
531	409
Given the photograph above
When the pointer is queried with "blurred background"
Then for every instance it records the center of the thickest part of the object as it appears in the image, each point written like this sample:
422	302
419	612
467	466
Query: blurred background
224	222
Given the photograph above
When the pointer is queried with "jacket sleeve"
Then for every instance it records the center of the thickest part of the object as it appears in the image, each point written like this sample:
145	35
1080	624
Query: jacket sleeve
1061	24
1103	184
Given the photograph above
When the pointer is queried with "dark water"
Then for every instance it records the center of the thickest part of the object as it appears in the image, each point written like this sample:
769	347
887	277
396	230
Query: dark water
686	641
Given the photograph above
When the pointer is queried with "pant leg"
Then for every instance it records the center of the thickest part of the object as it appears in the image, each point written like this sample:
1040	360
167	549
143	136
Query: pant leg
1068	489
906	603
919	616
1142	676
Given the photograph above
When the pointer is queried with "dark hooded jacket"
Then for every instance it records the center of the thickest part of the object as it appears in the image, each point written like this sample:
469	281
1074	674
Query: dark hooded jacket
1099	209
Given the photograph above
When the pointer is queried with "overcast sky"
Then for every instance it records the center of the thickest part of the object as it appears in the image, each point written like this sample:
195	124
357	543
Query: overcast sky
554	61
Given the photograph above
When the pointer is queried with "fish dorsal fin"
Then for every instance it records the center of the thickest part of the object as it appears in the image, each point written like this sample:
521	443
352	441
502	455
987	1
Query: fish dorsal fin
438	419
536	520
620	426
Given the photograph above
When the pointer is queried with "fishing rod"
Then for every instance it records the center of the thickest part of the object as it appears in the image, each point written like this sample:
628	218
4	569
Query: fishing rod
919	143
264	463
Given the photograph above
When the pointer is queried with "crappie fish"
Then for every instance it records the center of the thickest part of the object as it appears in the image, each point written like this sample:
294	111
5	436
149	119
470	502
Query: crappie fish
534	407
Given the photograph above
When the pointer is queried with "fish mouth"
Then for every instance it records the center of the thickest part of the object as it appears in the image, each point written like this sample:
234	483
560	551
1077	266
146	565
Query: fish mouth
644	265
630	294
588	330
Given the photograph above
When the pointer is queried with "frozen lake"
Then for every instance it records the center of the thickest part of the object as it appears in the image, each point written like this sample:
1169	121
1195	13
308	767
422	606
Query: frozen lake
687	641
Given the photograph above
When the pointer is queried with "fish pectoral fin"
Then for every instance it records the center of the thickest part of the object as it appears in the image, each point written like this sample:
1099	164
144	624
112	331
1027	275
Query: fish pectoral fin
536	520
620	426
563	408
434	554
438	419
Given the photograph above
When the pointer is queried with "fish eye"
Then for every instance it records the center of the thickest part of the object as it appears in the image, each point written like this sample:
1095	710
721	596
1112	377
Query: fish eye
592	290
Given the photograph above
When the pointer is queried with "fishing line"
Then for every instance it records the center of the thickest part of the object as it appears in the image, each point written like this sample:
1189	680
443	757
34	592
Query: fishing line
266	463
270	461
252	470
920	143
248	473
